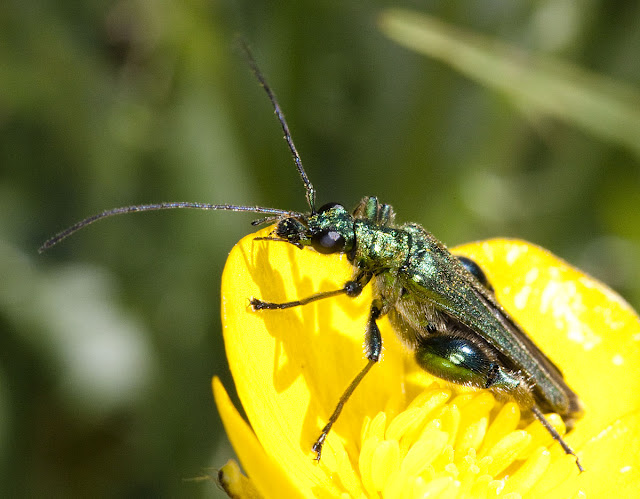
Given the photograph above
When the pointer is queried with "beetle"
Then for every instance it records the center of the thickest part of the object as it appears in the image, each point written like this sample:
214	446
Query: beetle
441	306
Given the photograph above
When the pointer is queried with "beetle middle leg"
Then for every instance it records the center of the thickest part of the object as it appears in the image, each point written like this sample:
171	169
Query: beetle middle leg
373	349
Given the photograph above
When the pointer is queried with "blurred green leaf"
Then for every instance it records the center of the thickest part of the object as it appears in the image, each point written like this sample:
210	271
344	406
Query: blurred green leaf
597	104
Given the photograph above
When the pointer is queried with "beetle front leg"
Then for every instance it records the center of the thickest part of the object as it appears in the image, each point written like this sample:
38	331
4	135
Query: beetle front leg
351	288
373	349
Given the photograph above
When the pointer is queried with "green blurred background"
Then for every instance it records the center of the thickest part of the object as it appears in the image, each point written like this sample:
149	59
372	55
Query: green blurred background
108	342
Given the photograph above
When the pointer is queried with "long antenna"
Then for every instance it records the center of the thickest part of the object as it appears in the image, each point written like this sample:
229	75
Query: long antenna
272	212
311	192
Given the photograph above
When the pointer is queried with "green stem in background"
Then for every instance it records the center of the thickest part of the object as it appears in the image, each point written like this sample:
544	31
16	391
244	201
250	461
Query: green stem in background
540	84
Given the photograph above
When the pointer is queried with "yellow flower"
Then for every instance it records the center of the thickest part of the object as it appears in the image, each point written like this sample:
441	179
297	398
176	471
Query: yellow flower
404	433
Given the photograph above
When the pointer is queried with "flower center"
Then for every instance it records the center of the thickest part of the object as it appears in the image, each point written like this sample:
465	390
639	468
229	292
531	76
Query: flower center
463	446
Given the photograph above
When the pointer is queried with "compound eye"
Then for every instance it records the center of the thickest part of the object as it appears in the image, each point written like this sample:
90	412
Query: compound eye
329	206
327	241
477	272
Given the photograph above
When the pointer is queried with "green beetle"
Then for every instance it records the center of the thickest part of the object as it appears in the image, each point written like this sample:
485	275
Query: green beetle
441	306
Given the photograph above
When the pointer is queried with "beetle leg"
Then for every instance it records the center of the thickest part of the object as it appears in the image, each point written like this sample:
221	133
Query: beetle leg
556	436
351	288
373	349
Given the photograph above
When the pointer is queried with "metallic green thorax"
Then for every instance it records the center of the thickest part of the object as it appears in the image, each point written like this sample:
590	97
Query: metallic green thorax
452	322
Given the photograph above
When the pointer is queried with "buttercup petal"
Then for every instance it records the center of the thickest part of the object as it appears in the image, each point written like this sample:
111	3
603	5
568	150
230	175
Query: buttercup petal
267	476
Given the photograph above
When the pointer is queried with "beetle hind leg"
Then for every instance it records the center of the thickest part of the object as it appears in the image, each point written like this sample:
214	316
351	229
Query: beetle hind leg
556	436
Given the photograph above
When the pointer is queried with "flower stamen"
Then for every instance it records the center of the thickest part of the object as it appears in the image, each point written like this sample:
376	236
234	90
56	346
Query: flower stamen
454	448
